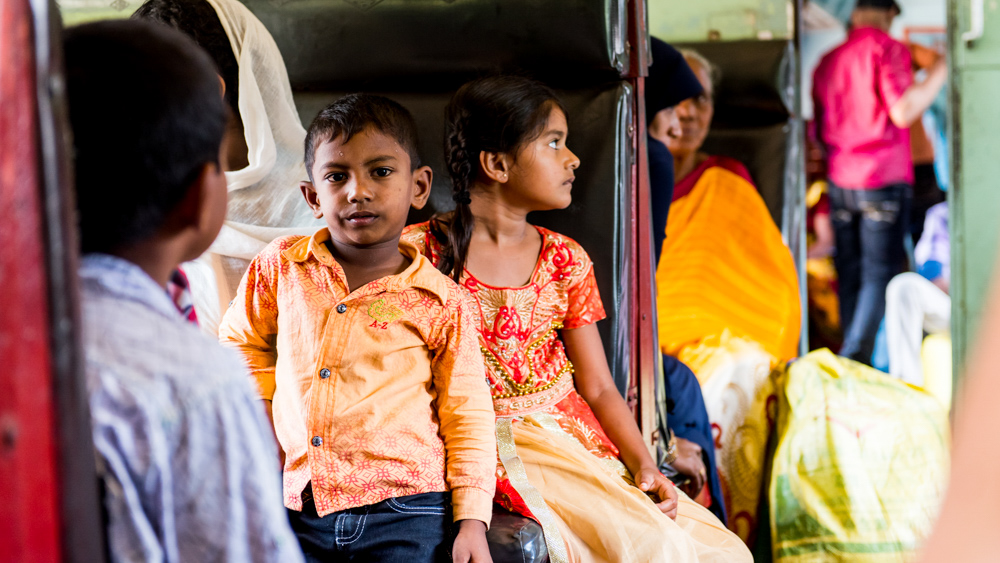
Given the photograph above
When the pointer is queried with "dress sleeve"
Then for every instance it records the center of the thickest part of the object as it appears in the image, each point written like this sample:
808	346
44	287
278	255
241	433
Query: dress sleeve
584	299
250	325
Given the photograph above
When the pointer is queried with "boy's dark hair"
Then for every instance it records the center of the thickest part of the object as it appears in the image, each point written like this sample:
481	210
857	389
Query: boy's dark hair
350	115
197	19
146	115
497	114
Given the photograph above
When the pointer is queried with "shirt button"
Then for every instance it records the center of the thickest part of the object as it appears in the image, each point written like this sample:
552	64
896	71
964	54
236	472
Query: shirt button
324	373
317	441
341	308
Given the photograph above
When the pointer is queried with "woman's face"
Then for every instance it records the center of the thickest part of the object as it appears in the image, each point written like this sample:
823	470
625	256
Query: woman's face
692	117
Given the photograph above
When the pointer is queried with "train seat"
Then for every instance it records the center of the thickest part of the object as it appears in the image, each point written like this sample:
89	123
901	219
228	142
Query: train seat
753	120
419	53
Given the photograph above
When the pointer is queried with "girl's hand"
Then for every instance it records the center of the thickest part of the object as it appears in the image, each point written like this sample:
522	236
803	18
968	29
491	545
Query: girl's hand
652	482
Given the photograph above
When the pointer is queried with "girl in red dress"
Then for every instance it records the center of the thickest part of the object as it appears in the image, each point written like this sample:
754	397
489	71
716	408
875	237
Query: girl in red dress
571	455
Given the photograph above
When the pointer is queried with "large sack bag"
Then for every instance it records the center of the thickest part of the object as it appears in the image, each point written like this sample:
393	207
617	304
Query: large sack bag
739	390
861	464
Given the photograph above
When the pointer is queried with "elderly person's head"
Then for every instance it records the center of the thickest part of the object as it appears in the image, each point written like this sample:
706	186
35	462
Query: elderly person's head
684	129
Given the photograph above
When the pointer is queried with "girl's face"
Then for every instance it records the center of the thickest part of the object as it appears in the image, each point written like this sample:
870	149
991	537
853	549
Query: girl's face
542	176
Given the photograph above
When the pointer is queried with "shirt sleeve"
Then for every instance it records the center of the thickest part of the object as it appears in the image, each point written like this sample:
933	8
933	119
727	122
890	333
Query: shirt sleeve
250	325
895	73
585	306
465	412
207	463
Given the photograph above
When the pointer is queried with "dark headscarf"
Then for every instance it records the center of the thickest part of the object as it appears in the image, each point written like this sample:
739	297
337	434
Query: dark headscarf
670	80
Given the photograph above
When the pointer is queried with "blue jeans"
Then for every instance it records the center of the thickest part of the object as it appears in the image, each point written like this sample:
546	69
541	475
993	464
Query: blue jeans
408	529
869	227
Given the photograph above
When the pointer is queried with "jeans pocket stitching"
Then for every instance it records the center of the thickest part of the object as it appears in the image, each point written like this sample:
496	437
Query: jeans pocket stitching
400	507
357	534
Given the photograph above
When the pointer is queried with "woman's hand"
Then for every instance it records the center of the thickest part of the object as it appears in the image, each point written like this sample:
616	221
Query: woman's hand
652	482
690	463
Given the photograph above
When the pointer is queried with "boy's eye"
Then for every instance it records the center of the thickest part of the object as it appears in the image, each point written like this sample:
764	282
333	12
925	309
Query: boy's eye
382	172
336	177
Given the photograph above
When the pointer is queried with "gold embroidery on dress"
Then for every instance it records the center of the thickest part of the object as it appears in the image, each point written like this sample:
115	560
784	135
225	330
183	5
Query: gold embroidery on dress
528	386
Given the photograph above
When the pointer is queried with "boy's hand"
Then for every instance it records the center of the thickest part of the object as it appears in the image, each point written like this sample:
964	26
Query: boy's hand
653	483
470	543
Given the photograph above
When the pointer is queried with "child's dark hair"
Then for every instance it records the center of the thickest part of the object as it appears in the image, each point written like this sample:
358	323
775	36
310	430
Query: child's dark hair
146	116
497	114
197	19
350	115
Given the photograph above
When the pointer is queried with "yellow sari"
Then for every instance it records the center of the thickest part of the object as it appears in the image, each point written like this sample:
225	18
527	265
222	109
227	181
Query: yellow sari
724	266
728	306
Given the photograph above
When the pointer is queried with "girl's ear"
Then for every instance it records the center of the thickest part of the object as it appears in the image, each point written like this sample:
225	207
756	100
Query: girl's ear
312	199
496	166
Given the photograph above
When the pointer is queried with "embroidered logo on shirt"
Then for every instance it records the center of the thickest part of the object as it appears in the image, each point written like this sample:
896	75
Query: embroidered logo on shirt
383	313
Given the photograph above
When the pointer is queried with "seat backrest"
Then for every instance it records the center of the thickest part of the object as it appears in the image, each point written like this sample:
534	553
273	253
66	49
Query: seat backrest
419	52
756	123
754	104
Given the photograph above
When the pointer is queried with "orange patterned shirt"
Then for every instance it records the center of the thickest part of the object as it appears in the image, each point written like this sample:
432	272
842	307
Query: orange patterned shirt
376	393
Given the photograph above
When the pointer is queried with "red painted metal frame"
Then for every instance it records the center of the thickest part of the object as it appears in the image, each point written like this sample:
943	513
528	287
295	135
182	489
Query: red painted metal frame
30	527
644	344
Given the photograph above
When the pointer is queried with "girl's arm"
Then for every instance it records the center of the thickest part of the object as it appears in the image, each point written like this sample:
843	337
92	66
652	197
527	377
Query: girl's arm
594	383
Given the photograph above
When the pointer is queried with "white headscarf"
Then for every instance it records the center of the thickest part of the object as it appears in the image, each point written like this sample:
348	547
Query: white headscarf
264	198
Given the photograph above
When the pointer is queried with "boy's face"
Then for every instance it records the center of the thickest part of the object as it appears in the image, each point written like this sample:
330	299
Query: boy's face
364	188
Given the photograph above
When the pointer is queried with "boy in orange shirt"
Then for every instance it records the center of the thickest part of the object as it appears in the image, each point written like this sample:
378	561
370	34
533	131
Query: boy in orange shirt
368	358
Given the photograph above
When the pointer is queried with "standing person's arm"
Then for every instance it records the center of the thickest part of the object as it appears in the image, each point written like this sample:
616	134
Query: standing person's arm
908	100
465	412
250	327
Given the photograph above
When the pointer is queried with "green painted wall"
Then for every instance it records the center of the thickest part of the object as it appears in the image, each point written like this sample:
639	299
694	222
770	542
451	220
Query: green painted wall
680	21
975	195
82	11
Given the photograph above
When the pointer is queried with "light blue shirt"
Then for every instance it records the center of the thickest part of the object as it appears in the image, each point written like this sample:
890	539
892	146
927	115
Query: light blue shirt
185	451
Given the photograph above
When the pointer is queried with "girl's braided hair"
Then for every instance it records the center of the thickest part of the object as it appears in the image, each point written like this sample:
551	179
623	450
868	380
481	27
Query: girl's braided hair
498	114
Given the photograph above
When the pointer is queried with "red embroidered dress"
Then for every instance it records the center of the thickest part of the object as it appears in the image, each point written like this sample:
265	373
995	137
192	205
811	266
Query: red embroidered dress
526	363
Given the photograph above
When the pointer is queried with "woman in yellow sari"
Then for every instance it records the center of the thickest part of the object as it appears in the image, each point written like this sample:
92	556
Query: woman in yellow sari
727	296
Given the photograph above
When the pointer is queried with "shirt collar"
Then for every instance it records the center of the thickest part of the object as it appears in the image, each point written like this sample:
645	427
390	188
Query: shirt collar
865	30
420	273
125	280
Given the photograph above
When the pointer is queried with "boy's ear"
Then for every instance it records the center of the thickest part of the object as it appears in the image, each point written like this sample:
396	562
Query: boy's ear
495	165
312	199
422	178
202	210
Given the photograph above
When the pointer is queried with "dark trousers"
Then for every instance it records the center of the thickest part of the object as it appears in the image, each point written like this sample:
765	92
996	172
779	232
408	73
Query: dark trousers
408	529
869	227
688	418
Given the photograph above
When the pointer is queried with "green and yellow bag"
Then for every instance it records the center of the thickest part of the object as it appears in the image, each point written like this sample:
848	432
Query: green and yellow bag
861	464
